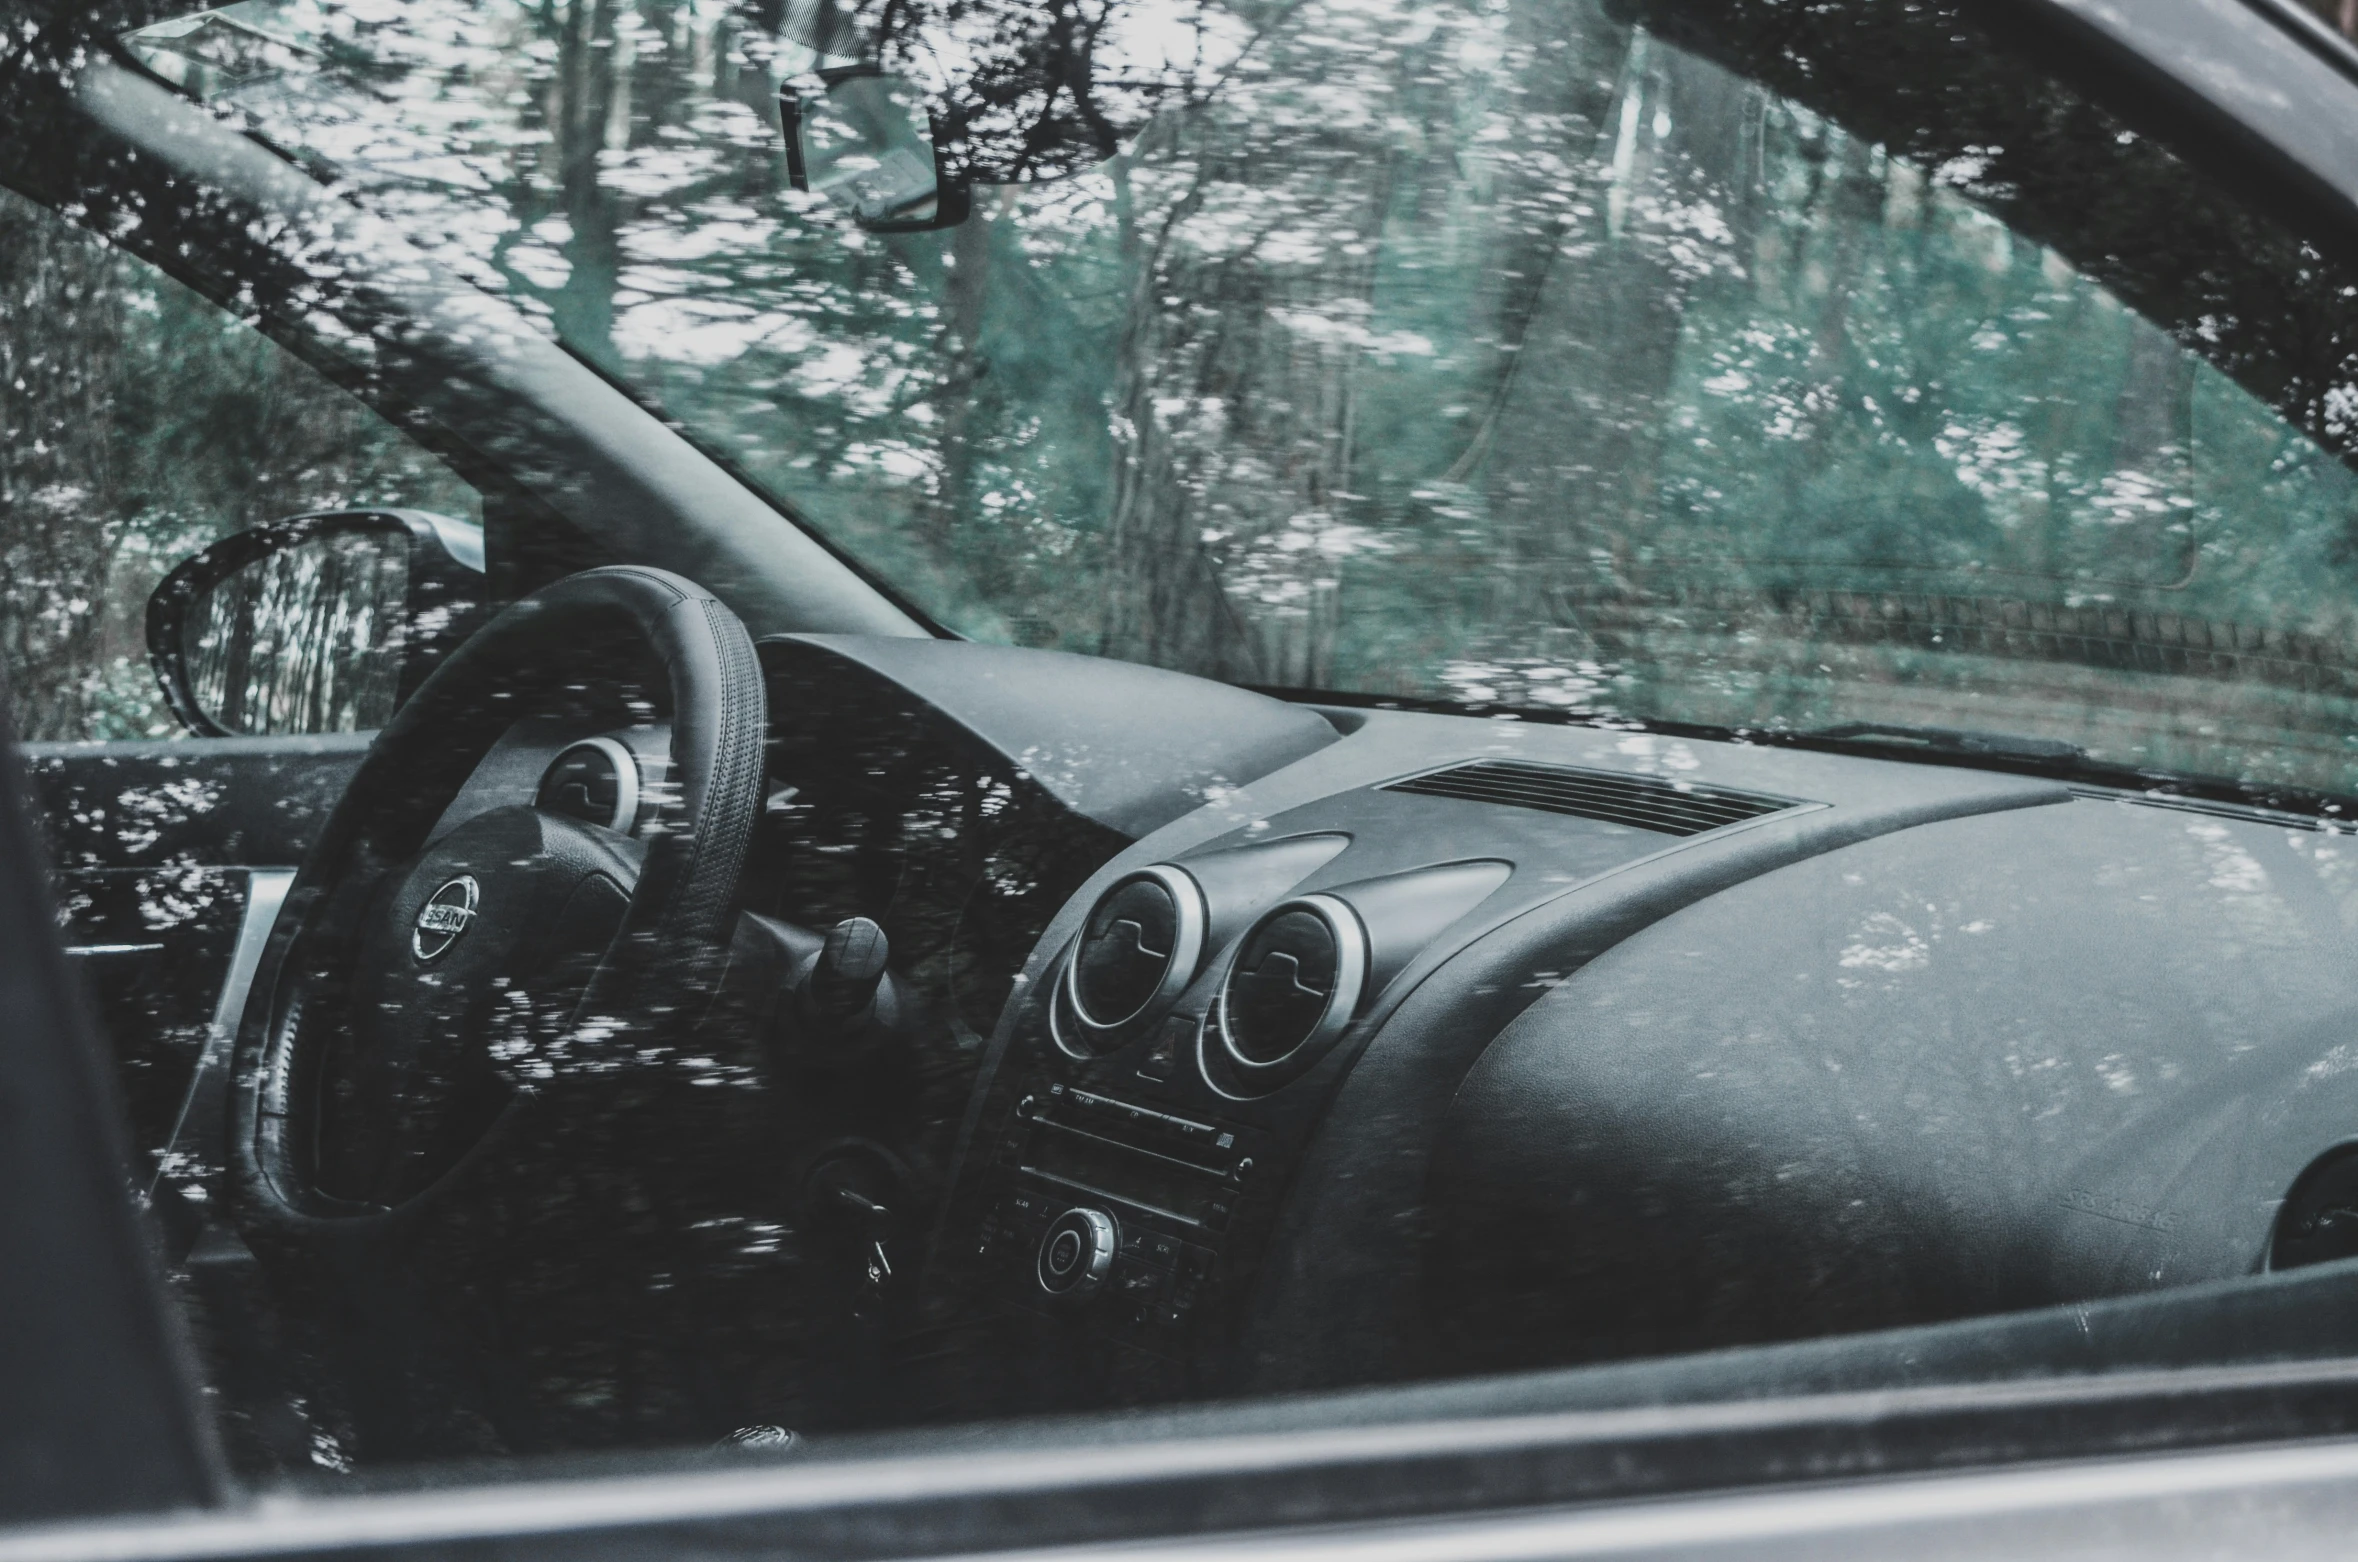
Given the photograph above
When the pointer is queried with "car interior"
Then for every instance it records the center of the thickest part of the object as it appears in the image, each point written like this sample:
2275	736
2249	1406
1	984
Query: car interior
649	982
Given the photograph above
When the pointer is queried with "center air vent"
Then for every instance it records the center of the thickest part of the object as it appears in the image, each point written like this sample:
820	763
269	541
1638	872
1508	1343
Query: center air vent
1644	802
1295	982
1138	949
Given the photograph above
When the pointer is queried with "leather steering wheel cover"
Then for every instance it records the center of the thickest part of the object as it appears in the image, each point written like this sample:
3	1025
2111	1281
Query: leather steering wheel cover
674	935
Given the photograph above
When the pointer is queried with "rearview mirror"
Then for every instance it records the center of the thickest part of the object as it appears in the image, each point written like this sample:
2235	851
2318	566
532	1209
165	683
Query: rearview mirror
322	623
867	144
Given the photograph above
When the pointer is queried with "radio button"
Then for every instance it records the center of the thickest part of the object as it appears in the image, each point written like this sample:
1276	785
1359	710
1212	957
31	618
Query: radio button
1149	1246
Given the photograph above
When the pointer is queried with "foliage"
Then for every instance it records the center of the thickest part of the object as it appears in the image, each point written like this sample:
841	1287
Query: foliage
1500	350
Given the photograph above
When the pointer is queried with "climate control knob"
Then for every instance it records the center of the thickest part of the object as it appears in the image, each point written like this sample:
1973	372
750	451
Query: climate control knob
1076	1251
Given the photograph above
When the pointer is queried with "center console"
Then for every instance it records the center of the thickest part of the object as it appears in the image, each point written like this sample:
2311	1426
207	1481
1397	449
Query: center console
1162	1081
1116	1212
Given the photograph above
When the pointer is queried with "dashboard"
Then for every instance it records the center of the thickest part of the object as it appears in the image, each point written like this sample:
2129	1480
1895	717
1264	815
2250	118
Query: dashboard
1237	1046
1454	1044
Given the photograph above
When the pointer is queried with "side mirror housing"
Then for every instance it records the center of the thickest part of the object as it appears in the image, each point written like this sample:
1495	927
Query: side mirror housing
322	623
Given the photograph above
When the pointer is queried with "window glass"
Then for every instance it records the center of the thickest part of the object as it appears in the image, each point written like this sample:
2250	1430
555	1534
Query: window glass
1688	371
139	422
1559	355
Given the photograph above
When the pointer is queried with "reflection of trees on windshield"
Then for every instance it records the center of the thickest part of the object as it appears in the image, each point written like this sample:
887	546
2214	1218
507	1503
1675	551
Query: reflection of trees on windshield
1496	352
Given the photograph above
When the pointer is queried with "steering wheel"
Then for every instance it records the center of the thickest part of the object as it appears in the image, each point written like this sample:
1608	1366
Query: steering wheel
420	987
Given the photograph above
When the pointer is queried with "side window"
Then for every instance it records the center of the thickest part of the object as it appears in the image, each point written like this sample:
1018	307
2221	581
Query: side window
139	423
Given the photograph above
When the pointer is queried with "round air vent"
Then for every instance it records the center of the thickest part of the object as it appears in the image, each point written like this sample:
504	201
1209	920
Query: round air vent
595	781
2318	1221
1138	949
1295	982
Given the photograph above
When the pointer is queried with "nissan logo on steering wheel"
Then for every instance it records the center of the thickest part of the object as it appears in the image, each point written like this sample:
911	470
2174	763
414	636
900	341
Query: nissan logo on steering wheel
445	917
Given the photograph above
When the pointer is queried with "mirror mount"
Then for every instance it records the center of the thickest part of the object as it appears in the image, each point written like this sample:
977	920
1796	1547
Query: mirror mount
871	145
445	595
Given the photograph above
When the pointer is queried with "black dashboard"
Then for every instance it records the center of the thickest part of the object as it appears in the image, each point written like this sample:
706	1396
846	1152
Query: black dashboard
1236	1046
1345	1046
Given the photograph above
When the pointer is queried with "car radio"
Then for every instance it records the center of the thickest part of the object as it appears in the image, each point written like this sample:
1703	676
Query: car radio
1113	1214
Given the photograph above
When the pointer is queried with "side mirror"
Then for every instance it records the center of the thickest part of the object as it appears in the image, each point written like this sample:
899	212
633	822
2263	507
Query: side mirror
322	623
868	144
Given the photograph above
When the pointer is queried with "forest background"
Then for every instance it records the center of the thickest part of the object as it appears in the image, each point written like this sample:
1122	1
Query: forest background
1494	352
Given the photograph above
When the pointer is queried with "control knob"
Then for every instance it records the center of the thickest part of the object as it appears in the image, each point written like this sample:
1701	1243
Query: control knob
1076	1251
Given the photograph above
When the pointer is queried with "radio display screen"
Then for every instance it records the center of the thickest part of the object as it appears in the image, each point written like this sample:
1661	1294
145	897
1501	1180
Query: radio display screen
1125	1173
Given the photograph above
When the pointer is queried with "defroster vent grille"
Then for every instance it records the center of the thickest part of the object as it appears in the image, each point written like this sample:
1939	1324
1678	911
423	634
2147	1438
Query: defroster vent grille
1670	807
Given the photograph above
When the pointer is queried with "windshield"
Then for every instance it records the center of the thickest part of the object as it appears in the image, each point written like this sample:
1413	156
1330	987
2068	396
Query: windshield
1548	354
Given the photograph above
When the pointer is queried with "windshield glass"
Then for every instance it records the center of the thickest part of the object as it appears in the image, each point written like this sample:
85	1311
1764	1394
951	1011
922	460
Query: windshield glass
1548	354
